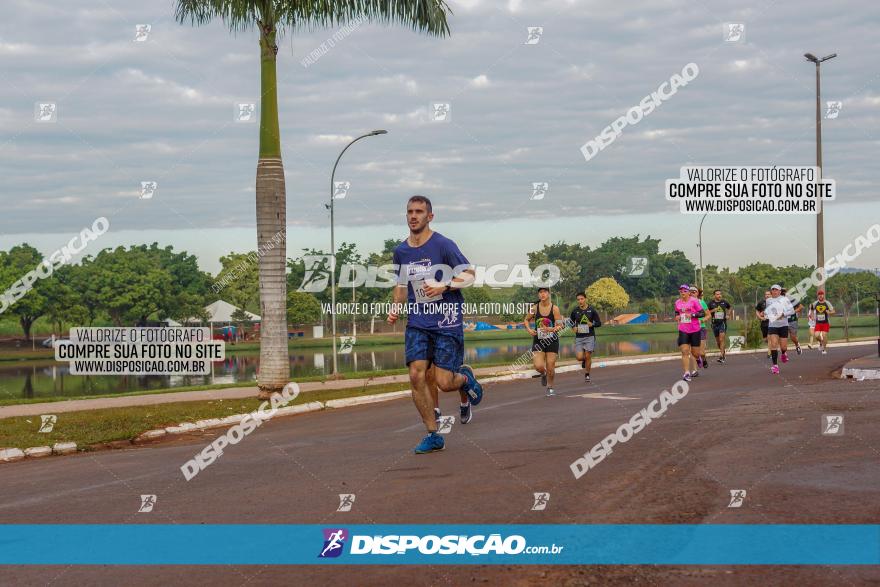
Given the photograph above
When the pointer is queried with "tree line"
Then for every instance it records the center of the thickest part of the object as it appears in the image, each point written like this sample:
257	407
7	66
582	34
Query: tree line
142	283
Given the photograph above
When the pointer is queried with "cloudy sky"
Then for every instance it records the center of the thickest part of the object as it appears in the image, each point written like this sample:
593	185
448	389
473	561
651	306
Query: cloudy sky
164	110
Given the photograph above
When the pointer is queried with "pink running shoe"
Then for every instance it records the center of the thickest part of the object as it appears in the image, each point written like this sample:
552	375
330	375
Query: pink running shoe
775	369
784	357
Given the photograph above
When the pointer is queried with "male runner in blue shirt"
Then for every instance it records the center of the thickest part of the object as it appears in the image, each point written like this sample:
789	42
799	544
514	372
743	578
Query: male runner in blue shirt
431	272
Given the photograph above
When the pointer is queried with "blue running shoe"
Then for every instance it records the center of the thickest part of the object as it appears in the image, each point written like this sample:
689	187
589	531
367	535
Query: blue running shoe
466	413
431	443
472	387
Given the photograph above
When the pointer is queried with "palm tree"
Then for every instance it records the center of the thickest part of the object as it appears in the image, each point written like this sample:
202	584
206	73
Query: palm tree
272	18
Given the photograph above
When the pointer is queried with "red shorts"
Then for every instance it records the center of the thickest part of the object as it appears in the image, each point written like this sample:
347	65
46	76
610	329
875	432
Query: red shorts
822	327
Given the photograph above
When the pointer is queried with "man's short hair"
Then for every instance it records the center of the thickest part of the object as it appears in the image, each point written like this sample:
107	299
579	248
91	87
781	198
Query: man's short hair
581	295
716	291
423	200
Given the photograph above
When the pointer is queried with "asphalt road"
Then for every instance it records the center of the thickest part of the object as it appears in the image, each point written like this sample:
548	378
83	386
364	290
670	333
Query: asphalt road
738	428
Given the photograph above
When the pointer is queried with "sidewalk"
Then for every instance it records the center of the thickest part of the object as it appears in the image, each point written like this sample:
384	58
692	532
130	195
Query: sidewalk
504	372
862	368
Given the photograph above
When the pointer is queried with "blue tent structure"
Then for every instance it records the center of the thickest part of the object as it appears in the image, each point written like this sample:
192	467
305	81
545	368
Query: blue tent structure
485	326
640	319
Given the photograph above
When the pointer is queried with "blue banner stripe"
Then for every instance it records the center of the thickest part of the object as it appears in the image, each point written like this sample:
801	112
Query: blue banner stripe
685	544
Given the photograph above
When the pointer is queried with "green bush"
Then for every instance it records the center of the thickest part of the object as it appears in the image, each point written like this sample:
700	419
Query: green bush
752	332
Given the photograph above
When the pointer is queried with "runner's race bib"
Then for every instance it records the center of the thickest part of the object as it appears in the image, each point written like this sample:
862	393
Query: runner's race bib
719	314
544	335
583	329
683	318
820	317
421	296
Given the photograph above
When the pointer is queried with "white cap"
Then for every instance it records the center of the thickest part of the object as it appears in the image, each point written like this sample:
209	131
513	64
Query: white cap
776	286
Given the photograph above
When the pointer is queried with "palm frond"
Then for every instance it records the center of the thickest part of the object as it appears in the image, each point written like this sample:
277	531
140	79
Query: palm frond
428	16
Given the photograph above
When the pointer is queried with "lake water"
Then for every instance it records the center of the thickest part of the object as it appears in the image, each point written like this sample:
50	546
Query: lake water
46	378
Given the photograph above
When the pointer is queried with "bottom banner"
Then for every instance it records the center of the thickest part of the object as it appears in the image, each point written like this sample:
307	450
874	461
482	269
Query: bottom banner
685	544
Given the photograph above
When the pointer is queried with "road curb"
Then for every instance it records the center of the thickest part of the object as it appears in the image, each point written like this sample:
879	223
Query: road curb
367	399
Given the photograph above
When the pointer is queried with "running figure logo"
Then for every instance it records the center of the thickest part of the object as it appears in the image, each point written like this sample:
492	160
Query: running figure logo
450	318
735	343
340	189
334	541
346	500
246	113
445	425
541	501
832	109
734	32
440	112
47	422
142	32
539	190
148	502
317	274
148	189
535	33
737	497
832	424
346	344
46	112
637	267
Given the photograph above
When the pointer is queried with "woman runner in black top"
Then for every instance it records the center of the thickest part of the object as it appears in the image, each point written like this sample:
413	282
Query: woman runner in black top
545	337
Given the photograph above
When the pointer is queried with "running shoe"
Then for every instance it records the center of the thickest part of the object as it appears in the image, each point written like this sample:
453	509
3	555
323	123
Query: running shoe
774	369
587	377
784	357
466	413
431	443
550	392
721	360
437	415
798	349
824	352
472	387
695	373
686	376
543	380
705	363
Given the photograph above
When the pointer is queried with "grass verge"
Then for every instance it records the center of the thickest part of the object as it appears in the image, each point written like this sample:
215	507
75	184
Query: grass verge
96	427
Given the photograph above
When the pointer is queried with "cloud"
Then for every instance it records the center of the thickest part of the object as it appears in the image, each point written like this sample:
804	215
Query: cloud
481	81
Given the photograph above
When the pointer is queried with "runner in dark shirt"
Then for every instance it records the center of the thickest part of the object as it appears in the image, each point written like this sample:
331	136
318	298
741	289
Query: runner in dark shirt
584	319
719	309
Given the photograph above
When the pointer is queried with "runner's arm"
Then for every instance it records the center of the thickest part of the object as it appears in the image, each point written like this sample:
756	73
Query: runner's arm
397	298
528	319
557	318
399	294
463	279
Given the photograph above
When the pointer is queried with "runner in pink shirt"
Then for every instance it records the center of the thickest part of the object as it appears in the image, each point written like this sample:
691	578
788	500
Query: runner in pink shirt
688	311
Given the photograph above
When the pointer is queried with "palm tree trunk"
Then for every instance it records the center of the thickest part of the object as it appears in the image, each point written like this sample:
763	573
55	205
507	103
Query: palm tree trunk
271	198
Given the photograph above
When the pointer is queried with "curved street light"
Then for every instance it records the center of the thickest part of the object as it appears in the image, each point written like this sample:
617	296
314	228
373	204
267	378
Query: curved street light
820	217
333	244
700	246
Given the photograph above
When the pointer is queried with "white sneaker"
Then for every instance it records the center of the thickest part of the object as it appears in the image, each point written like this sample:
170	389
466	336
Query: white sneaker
550	392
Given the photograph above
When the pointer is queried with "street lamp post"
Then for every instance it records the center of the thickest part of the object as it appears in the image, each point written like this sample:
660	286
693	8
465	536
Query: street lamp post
333	245
820	217
700	246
